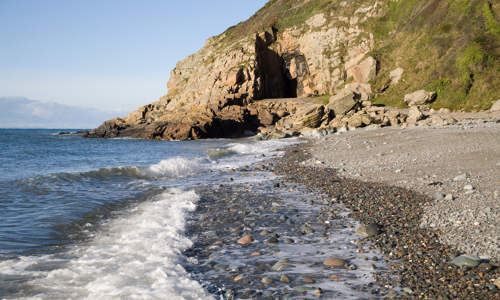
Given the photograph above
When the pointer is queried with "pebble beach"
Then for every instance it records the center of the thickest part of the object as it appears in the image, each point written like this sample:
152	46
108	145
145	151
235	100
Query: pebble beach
387	213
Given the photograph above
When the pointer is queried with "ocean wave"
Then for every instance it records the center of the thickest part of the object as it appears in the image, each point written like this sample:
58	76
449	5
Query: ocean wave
134	256
218	153
262	146
176	167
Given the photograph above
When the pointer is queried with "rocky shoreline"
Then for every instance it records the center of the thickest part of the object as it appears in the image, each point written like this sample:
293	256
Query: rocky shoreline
412	261
270	240
419	262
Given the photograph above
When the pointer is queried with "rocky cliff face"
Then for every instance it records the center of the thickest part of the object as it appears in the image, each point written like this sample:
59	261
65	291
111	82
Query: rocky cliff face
216	92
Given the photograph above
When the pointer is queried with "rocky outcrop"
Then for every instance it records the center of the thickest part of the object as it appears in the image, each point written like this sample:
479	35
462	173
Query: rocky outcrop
215	87
218	92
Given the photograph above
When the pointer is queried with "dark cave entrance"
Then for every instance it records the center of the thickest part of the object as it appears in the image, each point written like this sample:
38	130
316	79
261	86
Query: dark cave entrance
273	79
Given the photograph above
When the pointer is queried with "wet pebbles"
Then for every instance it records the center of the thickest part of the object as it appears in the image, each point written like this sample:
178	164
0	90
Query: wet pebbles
276	240
420	265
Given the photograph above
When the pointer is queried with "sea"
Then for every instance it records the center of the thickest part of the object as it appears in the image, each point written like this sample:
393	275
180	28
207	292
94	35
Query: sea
105	218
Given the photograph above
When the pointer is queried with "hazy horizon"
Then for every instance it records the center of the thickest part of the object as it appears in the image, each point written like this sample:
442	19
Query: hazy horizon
19	112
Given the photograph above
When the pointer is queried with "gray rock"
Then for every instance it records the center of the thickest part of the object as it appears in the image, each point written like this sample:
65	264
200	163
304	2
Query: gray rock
467	260
462	177
303	288
281	267
285	279
396	75
221	266
497	282
414	115
273	240
276	134
485	267
420	97
308	230
468	187
344	102
438	196
367	230
266	280
496	106
364	89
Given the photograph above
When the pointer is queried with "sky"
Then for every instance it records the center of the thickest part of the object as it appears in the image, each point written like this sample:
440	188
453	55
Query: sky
113	55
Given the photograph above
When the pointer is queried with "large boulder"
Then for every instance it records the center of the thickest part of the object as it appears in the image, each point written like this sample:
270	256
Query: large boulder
396	75
414	115
265	117
364	89
496	106
344	102
359	121
309	116
365	71
420	97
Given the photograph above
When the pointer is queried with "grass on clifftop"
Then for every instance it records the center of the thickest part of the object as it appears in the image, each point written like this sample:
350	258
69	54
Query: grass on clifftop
450	47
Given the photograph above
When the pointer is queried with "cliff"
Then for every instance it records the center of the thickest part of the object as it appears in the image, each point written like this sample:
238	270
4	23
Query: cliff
354	50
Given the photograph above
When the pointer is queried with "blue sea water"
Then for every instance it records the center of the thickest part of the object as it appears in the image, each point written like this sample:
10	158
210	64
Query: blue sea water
104	218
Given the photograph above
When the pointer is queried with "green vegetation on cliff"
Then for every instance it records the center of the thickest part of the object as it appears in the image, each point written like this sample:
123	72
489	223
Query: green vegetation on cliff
448	46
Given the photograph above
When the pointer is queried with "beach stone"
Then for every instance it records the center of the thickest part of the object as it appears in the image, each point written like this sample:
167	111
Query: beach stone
285	279
289	241
318	291
468	187
264	232
438	196
309	280
303	288
308	230
497	282
245	240
467	260
335	262
239	277
485	267
221	267
281	267
272	240
266	280
462	177
368	230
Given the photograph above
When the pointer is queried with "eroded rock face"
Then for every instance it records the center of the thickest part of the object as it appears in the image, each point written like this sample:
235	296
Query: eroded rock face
215	87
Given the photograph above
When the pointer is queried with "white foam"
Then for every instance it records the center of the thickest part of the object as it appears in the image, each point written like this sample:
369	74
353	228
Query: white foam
136	256
173	168
249	152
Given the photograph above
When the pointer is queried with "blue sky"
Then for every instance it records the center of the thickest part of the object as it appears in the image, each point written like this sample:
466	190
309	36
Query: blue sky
106	54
